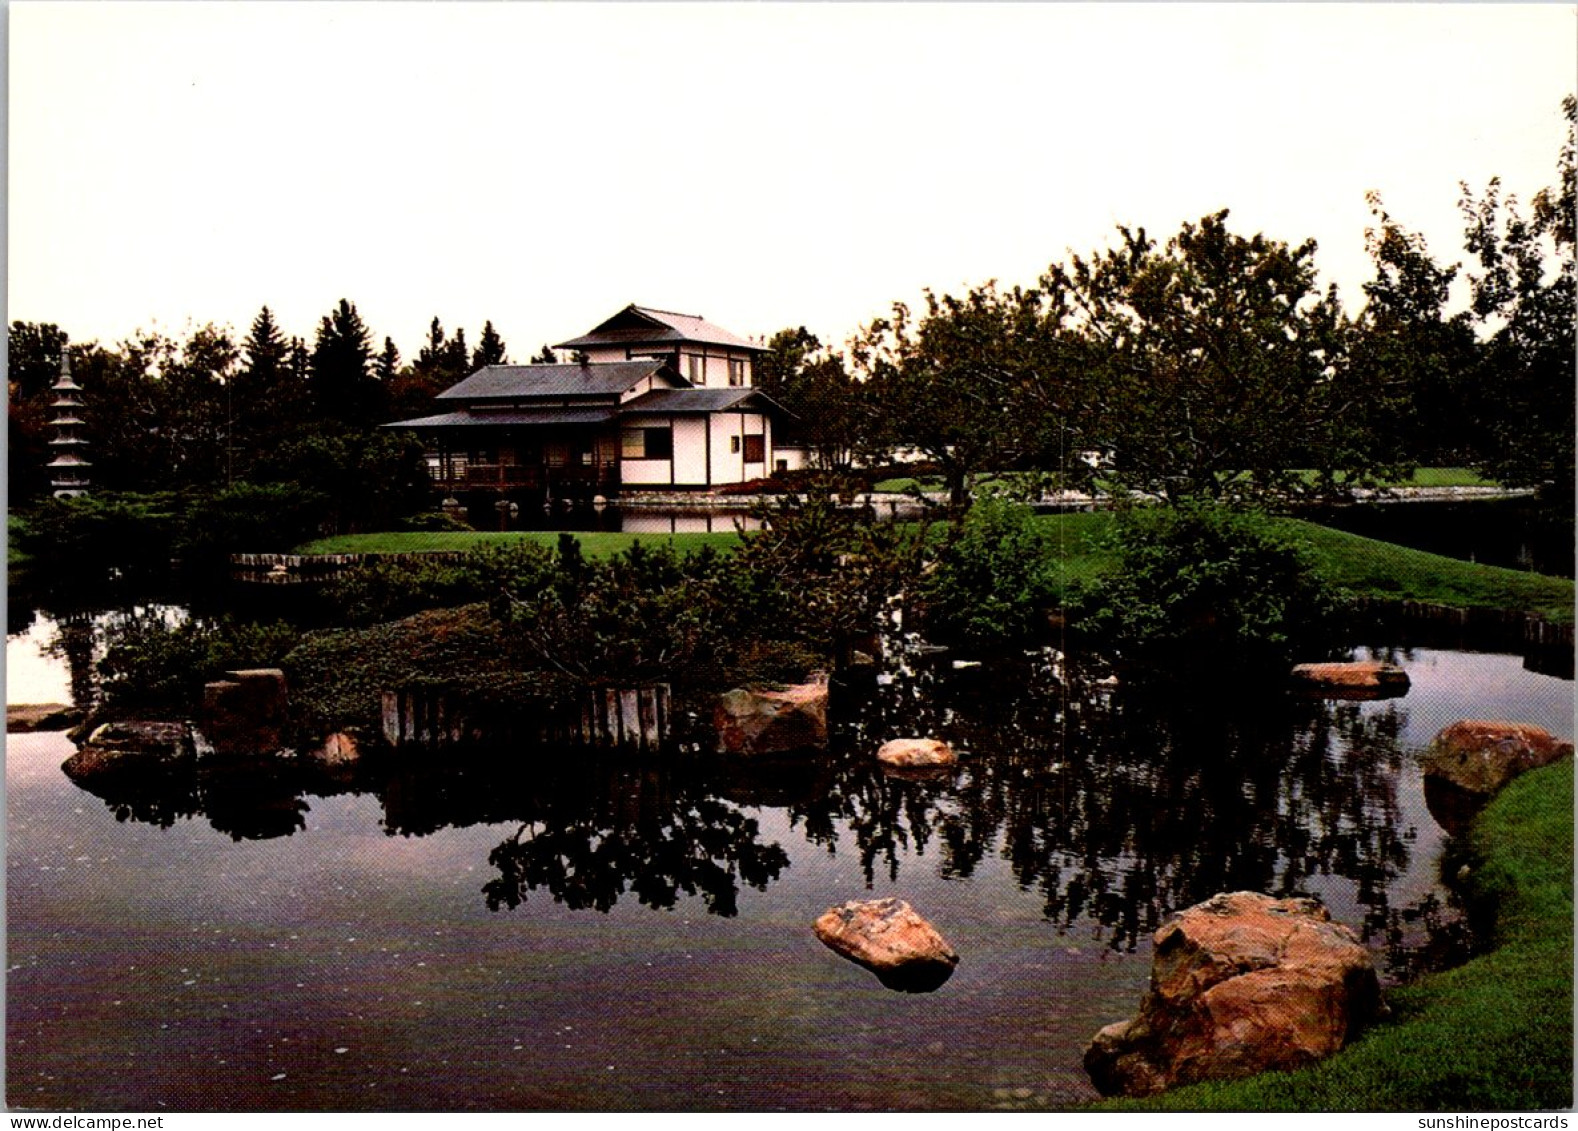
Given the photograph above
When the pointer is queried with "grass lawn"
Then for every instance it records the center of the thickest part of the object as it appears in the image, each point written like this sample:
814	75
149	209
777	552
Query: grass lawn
1422	477
1361	566
1381	569
1495	1034
1358	565
593	543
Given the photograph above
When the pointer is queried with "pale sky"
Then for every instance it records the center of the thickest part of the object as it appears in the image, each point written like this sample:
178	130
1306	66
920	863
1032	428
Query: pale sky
762	165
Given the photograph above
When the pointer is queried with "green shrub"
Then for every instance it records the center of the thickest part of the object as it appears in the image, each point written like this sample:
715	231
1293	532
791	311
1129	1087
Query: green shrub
155	665
1201	589
994	580
104	531
255	518
429	521
336	675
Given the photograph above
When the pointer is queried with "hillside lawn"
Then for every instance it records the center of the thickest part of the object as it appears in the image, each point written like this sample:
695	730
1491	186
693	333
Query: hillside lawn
1421	477
1357	565
1495	1034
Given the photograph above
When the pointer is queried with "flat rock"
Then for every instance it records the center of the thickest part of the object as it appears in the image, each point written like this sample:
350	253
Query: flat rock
133	746
1240	984
888	937
1361	679
916	753
1480	756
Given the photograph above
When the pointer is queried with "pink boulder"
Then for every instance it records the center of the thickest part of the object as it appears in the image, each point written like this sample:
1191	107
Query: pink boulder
1363	679
889	938
1240	984
916	753
1480	756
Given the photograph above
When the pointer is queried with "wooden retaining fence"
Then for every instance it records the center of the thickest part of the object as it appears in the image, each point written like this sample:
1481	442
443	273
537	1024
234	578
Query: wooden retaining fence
290	568
1507	627
610	718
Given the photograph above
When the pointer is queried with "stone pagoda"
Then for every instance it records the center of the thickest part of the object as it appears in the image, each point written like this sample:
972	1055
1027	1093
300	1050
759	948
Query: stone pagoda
68	471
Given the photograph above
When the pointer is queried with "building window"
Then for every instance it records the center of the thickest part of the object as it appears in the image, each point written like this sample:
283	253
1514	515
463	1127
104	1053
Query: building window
755	448
736	371
734	445
698	369
646	443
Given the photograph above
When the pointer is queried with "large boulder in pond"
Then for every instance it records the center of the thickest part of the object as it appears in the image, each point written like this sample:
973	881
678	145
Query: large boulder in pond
246	713
1360	679
890	939
132	747
772	720
1240	984
1480	756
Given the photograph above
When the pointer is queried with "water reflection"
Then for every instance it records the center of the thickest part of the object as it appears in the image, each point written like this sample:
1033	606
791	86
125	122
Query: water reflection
591	830
1117	808
1112	806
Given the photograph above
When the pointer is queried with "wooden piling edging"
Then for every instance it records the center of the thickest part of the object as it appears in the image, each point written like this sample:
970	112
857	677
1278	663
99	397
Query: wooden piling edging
611	718
1511	625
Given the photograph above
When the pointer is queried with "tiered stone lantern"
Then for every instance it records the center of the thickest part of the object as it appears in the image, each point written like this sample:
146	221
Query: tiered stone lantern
68	471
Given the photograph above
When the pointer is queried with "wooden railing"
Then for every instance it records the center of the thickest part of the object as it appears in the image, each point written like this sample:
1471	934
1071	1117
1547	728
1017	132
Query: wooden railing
506	476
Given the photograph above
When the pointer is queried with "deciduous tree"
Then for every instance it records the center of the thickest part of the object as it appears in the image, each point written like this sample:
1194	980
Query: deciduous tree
1523	303
1218	369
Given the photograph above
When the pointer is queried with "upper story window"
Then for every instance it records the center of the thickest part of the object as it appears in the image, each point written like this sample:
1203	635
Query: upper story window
737	371
697	371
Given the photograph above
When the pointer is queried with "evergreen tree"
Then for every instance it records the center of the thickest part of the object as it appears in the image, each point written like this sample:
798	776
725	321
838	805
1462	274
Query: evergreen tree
269	393
388	362
342	383
490	350
545	356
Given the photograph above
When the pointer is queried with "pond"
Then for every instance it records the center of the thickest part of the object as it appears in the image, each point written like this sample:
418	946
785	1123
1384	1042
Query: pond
527	929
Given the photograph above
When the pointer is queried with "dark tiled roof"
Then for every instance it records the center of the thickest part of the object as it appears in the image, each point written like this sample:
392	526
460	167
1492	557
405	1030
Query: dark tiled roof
643	325
595	414
507	382
701	400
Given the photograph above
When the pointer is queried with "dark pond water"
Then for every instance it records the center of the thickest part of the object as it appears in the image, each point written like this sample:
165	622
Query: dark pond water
546	931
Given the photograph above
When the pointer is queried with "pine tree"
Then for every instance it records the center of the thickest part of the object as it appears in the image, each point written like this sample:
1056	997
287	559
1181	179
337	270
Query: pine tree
388	362
490	350
342	383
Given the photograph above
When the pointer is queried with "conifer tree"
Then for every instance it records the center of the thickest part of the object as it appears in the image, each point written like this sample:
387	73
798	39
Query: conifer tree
490	350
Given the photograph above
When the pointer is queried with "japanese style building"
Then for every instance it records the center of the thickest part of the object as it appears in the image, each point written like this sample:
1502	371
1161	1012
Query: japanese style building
653	401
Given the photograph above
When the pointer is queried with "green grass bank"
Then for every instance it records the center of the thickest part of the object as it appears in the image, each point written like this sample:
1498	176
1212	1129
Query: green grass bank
1495	1034
1358	565
594	544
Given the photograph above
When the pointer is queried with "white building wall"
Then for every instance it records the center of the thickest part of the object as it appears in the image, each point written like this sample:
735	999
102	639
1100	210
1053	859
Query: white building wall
728	466
690	451
646	472
729	430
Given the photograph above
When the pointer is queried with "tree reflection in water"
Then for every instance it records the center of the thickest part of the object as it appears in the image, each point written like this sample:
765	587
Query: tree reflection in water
1120	808
595	829
1116	806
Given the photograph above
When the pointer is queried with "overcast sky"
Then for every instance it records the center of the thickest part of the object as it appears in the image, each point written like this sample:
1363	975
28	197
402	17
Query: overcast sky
762	165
